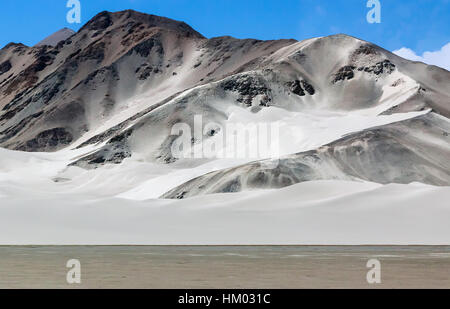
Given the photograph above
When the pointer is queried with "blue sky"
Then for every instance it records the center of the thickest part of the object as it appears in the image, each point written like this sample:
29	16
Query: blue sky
421	25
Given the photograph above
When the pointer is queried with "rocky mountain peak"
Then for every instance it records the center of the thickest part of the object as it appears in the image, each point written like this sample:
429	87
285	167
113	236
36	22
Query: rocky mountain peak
129	18
56	37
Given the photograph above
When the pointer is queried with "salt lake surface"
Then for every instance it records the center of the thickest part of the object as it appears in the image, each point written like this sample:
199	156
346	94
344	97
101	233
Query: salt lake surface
225	267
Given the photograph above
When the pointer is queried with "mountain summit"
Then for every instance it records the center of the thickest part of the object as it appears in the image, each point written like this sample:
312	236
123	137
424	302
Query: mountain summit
107	20
57	37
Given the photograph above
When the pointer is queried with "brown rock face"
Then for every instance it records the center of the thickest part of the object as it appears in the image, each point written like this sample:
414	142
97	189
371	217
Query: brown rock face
112	58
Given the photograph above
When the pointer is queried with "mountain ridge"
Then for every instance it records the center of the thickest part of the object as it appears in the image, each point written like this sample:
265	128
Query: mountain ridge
125	75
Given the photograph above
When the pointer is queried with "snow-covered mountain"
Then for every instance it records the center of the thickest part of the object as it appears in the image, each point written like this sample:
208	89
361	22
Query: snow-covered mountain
99	108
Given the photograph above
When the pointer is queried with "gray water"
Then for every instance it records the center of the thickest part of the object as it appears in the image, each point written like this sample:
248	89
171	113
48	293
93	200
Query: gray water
224	267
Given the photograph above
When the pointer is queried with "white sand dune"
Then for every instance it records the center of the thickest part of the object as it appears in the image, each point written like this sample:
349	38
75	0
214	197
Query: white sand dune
320	212
34	209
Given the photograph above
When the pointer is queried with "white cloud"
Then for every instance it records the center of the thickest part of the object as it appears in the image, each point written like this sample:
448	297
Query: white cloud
439	58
